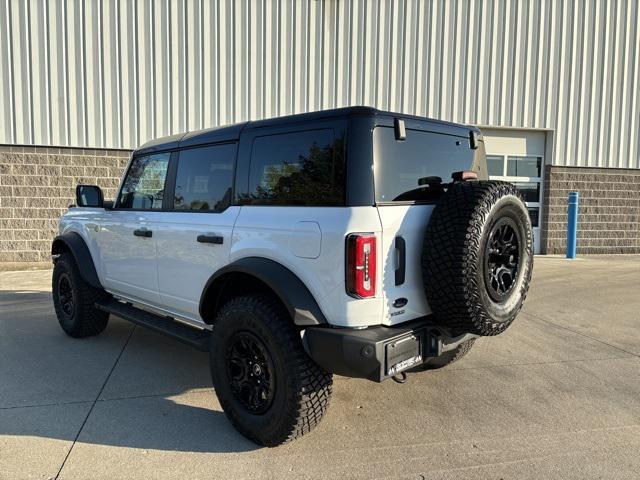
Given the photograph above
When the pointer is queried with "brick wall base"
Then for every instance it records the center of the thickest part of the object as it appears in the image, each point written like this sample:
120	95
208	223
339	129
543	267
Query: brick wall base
609	212
37	184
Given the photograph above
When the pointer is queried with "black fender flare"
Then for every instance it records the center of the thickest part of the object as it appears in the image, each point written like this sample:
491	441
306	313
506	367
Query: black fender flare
74	243
291	291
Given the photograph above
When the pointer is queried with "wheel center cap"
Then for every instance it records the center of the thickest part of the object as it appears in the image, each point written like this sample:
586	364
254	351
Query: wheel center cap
257	370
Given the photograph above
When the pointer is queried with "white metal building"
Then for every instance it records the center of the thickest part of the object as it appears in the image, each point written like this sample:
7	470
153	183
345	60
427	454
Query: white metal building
549	81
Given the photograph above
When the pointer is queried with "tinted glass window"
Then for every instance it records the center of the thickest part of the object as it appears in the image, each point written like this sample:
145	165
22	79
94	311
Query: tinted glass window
204	178
533	215
495	165
399	165
143	187
299	168
530	191
524	166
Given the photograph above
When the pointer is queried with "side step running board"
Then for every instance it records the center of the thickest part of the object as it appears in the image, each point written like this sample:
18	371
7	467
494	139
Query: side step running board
198	339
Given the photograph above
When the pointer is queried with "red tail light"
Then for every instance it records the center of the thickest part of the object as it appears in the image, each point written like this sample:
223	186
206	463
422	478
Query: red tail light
361	265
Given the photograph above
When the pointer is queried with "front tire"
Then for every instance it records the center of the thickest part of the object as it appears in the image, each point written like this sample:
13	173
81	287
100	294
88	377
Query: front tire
74	300
269	388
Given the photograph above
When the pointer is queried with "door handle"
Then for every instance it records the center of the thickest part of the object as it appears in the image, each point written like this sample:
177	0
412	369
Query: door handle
401	247
217	239
143	232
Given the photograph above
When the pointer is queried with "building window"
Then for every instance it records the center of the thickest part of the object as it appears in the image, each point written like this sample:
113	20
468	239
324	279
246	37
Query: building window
524	166
530	191
495	165
525	172
534	216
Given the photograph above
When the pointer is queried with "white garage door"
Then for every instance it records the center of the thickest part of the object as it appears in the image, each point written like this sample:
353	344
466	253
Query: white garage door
518	157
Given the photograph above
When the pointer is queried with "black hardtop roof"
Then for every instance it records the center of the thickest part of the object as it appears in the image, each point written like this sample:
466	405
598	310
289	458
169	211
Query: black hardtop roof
232	132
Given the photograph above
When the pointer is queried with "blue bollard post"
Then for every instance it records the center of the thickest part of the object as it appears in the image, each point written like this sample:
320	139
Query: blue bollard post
572	224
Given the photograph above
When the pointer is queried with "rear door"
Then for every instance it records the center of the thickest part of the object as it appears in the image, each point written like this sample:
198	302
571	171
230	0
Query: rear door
194	238
405	207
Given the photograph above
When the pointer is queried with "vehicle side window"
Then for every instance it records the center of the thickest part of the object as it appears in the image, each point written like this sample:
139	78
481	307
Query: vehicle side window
204	178
143	187
297	168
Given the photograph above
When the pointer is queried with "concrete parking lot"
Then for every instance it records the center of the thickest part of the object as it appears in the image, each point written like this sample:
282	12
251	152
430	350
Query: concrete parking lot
556	396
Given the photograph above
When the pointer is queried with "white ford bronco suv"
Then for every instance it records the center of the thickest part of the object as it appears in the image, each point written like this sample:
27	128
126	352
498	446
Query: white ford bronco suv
351	241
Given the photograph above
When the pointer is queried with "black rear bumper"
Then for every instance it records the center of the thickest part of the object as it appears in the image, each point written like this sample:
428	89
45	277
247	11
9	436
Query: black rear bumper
379	352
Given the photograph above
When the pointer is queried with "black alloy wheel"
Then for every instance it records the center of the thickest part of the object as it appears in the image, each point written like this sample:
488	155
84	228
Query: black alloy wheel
477	257
75	300
502	258
65	294
267	385
250	372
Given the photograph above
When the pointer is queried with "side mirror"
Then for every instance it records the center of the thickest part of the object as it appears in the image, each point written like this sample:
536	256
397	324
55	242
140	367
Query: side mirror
89	196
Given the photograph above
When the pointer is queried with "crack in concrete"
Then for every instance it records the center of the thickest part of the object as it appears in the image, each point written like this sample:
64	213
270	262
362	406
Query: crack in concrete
580	333
113	367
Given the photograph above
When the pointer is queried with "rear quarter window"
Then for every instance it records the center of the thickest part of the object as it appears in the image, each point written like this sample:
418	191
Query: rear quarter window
297	168
399	164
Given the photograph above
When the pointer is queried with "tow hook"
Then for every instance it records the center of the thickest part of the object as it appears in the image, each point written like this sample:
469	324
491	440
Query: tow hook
400	378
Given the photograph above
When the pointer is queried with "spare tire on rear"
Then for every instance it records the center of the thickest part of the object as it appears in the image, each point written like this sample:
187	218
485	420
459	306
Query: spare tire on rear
477	257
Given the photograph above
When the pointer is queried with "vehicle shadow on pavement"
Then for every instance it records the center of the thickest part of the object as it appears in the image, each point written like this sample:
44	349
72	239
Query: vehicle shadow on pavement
133	387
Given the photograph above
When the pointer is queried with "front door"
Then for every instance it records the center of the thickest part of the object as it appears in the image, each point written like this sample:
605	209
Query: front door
194	239
126	240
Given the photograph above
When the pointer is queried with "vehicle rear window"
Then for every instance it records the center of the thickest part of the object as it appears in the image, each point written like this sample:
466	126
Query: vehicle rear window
204	178
297	168
399	164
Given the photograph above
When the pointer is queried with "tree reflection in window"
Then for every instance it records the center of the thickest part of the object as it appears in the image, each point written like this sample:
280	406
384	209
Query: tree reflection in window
143	187
300	168
204	178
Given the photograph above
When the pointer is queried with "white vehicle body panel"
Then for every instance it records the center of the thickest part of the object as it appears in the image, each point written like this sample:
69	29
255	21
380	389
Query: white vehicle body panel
184	265
86	222
408	222
128	261
274	233
170	270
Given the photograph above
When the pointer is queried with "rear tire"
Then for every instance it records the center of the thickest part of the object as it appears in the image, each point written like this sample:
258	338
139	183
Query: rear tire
269	388
74	300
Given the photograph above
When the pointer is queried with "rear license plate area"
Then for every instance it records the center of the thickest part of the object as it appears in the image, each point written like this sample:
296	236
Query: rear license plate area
403	353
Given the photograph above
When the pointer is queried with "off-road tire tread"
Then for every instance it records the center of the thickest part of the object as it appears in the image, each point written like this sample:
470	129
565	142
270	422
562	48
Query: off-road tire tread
92	321
308	383
450	257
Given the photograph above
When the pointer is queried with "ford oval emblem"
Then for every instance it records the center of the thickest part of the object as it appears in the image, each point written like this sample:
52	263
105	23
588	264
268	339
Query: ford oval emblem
400	302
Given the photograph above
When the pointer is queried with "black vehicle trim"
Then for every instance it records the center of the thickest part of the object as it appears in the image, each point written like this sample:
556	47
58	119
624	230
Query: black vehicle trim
199	339
363	353
293	293
400	272
169	189
78	248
